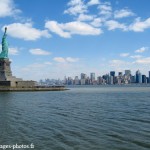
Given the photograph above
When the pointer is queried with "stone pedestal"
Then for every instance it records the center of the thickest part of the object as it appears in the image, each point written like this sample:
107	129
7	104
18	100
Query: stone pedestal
5	71
8	80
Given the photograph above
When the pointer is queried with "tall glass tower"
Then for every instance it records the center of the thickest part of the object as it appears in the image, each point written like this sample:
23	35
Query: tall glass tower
138	76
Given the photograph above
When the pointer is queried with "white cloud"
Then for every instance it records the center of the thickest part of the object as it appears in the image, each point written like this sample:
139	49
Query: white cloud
55	27
13	51
39	52
141	50
8	8
136	56
93	2
119	65
32	68
115	62
65	60
81	28
76	10
59	59
105	9
83	17
123	13
143	61
70	59
75	2
25	31
112	25
97	22
47	63
67	29
76	7
140	26
124	54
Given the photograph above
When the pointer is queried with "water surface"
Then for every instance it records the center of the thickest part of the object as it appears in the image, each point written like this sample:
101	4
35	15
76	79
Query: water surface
82	118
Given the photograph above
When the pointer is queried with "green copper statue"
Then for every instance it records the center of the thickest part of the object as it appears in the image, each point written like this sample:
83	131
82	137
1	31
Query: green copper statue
4	53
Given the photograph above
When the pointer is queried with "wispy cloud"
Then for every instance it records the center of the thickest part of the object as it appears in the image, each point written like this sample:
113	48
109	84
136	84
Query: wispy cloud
93	2
112	25
25	31
76	7
38	51
67	29
105	10
123	13
117	62
66	60
13	51
141	50
136	56
140	26
47	63
59	59
143	61
97	22
8	8
84	17
124	54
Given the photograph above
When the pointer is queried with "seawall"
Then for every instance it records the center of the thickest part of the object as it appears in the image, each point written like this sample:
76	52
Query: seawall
36	88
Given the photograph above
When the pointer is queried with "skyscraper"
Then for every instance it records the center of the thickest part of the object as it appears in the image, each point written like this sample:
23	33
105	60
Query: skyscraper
92	77
76	80
149	78
112	73
138	76
144	79
83	78
127	72
119	73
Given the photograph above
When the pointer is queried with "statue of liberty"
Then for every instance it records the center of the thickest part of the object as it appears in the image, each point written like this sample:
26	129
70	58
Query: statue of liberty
4	53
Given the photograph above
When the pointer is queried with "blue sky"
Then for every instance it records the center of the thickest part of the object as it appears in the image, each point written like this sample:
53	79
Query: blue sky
54	38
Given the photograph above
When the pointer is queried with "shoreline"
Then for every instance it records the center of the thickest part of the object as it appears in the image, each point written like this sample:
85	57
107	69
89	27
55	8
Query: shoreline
36	88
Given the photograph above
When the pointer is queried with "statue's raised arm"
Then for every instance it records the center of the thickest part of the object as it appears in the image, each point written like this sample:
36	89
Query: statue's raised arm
4	53
5	29
4	36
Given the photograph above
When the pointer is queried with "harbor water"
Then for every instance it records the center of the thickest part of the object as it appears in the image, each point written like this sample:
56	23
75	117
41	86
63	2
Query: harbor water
82	118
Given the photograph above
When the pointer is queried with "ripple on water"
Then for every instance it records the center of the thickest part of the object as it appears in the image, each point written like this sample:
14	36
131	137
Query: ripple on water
115	118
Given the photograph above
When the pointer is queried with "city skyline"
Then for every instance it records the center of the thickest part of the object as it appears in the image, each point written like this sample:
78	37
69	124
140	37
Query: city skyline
126	77
73	36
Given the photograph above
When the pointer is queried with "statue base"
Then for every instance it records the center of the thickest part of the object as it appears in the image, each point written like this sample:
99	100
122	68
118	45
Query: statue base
7	79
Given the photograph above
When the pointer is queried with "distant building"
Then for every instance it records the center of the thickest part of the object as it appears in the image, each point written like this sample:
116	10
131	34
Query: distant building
144	79
106	78
76	80
138	76
111	80
100	80
127	72
149	77
120	74
83	78
92	78
70	81
112	73
133	80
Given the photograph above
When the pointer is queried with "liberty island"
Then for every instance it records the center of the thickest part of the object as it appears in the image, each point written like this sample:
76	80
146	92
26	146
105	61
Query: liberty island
8	82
